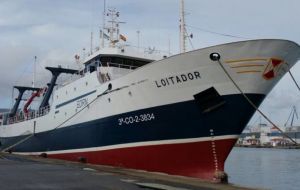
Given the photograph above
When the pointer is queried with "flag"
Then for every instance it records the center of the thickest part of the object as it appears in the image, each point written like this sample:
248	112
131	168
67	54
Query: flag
123	38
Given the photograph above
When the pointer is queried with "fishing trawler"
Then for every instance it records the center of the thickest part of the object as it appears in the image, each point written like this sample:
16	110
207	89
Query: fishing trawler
179	114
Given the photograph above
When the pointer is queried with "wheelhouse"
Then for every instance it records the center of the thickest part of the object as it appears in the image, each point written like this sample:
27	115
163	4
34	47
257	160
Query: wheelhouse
114	61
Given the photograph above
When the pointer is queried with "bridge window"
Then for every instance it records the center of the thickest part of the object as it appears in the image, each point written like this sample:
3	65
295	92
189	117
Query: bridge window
123	62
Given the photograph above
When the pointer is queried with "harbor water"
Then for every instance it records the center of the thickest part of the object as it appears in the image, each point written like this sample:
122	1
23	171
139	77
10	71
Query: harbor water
266	168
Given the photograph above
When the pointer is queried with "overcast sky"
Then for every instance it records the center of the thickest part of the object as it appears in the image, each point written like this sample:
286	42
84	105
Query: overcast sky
56	30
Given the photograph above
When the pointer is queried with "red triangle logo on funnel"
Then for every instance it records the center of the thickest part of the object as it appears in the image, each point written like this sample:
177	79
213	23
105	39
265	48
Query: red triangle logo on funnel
271	69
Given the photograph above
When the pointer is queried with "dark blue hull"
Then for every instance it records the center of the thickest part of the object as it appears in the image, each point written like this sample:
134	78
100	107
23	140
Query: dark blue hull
176	121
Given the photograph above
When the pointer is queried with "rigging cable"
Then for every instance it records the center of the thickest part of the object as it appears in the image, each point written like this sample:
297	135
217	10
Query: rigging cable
294	80
216	57
189	37
218	33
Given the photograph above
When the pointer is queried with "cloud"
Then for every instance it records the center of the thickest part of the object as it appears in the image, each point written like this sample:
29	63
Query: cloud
43	30
14	61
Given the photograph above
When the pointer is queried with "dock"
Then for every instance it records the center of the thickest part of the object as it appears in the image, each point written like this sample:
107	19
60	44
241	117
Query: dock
28	172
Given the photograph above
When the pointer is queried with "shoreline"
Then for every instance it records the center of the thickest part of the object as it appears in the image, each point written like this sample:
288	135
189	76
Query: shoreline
269	146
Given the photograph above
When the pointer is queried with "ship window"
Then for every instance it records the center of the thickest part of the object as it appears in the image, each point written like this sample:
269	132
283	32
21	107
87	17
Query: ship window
86	83
123	62
128	62
209	100
92	69
117	60
105	60
74	88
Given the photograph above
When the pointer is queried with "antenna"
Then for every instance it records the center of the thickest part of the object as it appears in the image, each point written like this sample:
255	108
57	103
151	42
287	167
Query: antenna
182	28
138	39
113	29
91	43
34	72
83	54
169	46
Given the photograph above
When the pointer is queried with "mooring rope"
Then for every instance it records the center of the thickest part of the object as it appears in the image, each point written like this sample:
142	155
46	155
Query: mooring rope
33	134
216	57
294	80
17	143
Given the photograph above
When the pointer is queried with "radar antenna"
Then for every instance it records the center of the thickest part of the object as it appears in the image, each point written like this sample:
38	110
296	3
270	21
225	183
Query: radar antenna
113	28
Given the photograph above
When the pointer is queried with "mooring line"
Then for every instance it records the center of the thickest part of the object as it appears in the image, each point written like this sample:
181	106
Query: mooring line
216	57
17	143
294	80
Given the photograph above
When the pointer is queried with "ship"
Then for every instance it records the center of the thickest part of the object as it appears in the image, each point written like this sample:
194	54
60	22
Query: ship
175	114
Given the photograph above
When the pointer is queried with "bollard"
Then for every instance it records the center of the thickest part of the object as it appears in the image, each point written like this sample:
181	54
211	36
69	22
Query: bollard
82	159
221	177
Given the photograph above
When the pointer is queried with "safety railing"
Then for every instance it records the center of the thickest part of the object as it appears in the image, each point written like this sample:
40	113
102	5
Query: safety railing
21	116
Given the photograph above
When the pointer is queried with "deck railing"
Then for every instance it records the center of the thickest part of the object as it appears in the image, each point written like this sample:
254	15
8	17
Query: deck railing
21	116
119	65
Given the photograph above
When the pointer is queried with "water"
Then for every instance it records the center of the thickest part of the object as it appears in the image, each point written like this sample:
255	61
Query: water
264	168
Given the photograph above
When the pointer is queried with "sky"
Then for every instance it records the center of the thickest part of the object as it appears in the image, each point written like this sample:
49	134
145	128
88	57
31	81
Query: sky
56	30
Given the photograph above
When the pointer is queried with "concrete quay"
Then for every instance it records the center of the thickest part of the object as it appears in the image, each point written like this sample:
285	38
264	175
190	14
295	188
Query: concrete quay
27	172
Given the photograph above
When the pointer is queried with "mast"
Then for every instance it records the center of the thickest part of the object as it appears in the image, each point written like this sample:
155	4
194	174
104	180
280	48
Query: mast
91	51
182	28
103	24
